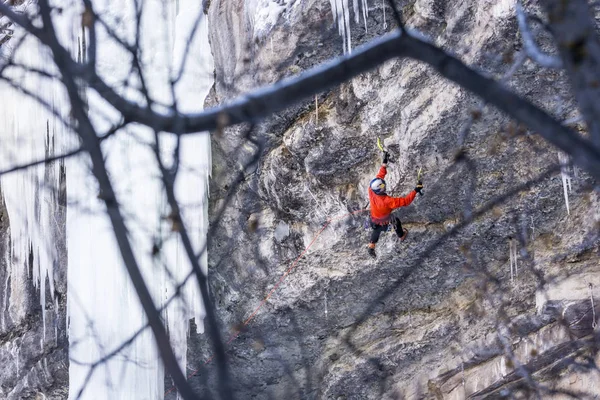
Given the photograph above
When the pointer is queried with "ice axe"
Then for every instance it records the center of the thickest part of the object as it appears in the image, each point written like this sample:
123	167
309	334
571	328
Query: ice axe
380	145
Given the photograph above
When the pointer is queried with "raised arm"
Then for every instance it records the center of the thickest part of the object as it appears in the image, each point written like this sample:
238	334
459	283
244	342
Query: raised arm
383	169
382	172
397	202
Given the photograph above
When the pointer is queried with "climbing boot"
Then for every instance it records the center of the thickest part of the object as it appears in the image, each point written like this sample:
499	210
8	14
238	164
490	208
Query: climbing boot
403	237
371	252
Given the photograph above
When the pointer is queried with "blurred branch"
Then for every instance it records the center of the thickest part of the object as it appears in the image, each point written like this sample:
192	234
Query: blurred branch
91	143
168	179
265	101
68	154
532	49
574	30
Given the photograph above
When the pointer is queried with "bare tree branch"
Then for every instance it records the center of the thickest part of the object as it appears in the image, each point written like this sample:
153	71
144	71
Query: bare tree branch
265	101
92	145
168	178
532	49
45	160
19	19
583	152
574	30
68	154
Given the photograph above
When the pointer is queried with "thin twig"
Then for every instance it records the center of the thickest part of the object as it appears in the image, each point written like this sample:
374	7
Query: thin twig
532	49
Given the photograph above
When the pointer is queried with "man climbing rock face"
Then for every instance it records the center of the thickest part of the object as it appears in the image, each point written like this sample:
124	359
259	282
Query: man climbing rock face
382	206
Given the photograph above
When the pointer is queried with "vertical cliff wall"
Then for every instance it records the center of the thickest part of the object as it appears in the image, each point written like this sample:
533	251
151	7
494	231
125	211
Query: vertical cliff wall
437	315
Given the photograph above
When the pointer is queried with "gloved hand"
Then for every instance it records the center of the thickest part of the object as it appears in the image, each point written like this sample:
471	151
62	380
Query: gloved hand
386	157
419	187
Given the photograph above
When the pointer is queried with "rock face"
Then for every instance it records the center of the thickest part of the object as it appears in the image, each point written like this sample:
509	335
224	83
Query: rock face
438	316
34	361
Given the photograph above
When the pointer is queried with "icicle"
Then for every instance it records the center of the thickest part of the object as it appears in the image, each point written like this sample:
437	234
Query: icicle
365	13
341	16
99	288
28	195
512	248
347	27
316	110
591	289
385	25
566	178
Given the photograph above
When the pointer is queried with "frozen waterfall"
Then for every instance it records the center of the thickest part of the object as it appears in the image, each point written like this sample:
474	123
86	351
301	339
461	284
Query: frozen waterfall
103	308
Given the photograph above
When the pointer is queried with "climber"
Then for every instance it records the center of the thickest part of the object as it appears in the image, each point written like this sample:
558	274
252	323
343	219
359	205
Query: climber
382	206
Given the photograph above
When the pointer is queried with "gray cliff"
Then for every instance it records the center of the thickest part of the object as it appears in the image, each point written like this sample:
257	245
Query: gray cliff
437	316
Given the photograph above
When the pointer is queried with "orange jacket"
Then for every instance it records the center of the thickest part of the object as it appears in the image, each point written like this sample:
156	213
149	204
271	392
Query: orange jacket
382	205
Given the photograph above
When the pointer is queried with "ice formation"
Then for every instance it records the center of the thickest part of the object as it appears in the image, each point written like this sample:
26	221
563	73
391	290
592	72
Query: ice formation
566	177
103	308
341	15
512	248
31	130
265	16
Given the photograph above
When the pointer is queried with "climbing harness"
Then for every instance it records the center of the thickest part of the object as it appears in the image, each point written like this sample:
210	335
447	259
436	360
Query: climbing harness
368	225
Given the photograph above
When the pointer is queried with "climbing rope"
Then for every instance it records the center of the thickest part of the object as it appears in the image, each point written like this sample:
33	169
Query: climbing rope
268	296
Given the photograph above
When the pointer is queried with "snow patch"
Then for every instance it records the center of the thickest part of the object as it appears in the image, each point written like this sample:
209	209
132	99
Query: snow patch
282	231
266	15
504	9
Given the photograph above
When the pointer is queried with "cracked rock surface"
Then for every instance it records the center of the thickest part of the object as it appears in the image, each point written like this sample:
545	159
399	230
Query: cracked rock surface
420	321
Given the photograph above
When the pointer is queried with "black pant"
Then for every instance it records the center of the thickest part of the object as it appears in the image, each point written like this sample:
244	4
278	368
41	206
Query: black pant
377	229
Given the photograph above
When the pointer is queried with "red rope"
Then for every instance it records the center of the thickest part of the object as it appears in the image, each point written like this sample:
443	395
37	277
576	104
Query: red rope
263	302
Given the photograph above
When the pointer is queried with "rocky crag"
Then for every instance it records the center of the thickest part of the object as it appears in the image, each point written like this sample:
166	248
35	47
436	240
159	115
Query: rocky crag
436	317
440	315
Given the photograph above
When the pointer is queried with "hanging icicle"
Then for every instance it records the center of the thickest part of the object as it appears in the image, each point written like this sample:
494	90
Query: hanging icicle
316	110
365	13
566	176
512	248
341	16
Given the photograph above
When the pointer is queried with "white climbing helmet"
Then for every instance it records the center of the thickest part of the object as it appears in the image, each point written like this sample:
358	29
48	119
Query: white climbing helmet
378	186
